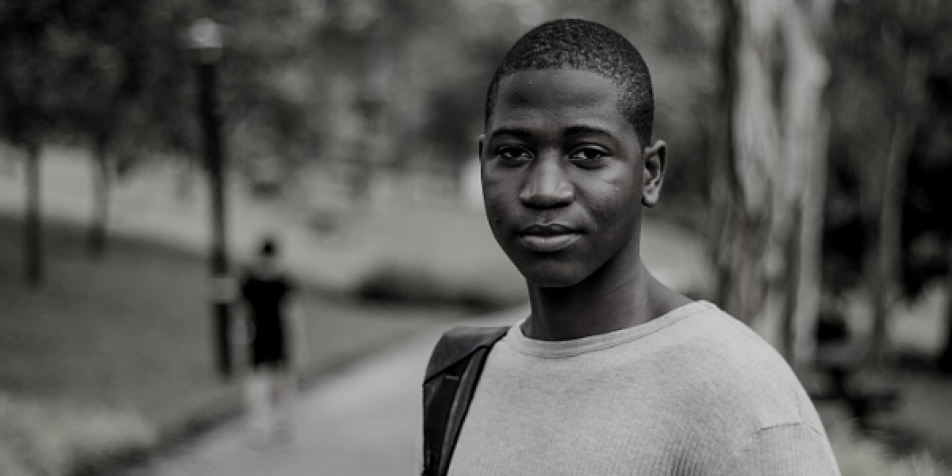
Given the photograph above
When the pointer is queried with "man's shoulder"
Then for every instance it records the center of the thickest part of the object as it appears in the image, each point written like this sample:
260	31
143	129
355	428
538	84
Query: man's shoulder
735	370
711	337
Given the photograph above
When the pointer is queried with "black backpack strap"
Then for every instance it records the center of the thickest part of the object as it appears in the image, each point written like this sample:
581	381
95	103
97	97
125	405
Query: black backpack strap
451	377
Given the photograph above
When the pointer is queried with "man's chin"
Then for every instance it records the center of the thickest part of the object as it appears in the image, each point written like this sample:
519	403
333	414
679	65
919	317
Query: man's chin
552	278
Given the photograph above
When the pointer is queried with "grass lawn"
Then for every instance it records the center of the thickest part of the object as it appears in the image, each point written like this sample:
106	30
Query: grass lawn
117	352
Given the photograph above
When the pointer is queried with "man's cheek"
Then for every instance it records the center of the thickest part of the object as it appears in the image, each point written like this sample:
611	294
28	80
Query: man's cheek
495	207
496	221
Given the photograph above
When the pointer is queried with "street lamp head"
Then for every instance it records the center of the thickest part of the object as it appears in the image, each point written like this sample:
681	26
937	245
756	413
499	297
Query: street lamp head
205	39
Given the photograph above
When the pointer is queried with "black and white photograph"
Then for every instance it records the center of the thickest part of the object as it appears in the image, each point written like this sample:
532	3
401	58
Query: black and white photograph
475	238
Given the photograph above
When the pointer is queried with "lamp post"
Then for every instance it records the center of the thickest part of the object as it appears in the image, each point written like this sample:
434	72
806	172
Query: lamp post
205	43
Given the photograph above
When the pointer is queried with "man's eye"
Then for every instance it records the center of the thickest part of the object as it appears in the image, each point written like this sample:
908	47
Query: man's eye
588	155
513	153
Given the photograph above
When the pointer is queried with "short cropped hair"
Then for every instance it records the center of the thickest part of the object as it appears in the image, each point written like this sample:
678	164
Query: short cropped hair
588	46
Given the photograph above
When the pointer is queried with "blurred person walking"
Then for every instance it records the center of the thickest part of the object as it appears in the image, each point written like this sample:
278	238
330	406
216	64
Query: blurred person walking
277	343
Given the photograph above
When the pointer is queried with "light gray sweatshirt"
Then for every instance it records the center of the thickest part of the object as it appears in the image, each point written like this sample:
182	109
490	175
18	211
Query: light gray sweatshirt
693	392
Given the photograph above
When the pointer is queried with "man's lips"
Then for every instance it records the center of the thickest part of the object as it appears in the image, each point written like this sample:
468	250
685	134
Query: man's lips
548	237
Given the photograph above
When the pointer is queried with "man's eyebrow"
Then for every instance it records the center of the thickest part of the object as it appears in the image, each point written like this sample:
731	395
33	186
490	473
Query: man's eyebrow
511	131
585	130
569	132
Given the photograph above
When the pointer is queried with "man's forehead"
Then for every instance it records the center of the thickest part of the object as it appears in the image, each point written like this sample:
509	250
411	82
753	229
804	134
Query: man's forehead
566	98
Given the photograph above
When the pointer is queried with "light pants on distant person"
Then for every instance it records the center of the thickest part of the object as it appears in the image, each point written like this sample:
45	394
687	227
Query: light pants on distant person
269	393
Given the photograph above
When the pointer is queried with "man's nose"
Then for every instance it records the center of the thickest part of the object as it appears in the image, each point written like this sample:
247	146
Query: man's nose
546	186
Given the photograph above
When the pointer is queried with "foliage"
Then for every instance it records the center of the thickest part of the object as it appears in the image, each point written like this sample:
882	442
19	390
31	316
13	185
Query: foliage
27	82
927	231
867	95
858	455
41	437
90	67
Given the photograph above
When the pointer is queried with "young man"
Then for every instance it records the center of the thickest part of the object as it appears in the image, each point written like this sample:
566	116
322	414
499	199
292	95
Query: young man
612	372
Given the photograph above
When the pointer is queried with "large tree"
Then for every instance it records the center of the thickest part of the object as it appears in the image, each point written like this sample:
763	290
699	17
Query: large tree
887	109
905	46
122	58
926	254
31	81
766	179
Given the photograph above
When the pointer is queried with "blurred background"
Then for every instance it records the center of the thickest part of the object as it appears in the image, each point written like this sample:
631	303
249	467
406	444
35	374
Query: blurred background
145	149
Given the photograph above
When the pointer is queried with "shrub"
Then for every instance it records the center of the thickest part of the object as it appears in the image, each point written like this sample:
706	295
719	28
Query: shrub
46	438
861	456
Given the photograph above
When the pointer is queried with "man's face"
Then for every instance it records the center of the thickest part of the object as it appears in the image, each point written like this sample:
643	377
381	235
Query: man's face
562	175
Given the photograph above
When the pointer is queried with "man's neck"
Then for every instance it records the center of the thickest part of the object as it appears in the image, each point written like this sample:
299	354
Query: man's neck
604	303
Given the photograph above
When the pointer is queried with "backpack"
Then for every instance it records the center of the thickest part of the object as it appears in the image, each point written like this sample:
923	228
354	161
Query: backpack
451	377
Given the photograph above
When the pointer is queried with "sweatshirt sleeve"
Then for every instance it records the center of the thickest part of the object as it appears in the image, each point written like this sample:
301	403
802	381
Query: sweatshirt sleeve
792	449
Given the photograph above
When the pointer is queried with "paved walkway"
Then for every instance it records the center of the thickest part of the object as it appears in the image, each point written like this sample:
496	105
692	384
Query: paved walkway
361	422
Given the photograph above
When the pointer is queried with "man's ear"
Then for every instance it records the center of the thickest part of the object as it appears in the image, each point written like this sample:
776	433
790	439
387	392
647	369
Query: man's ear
482	139
655	159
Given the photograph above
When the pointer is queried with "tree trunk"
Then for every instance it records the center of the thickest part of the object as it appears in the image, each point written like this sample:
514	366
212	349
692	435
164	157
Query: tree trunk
33	235
883	271
767	263
742	188
802	184
718	137
96	238
788	295
809	292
